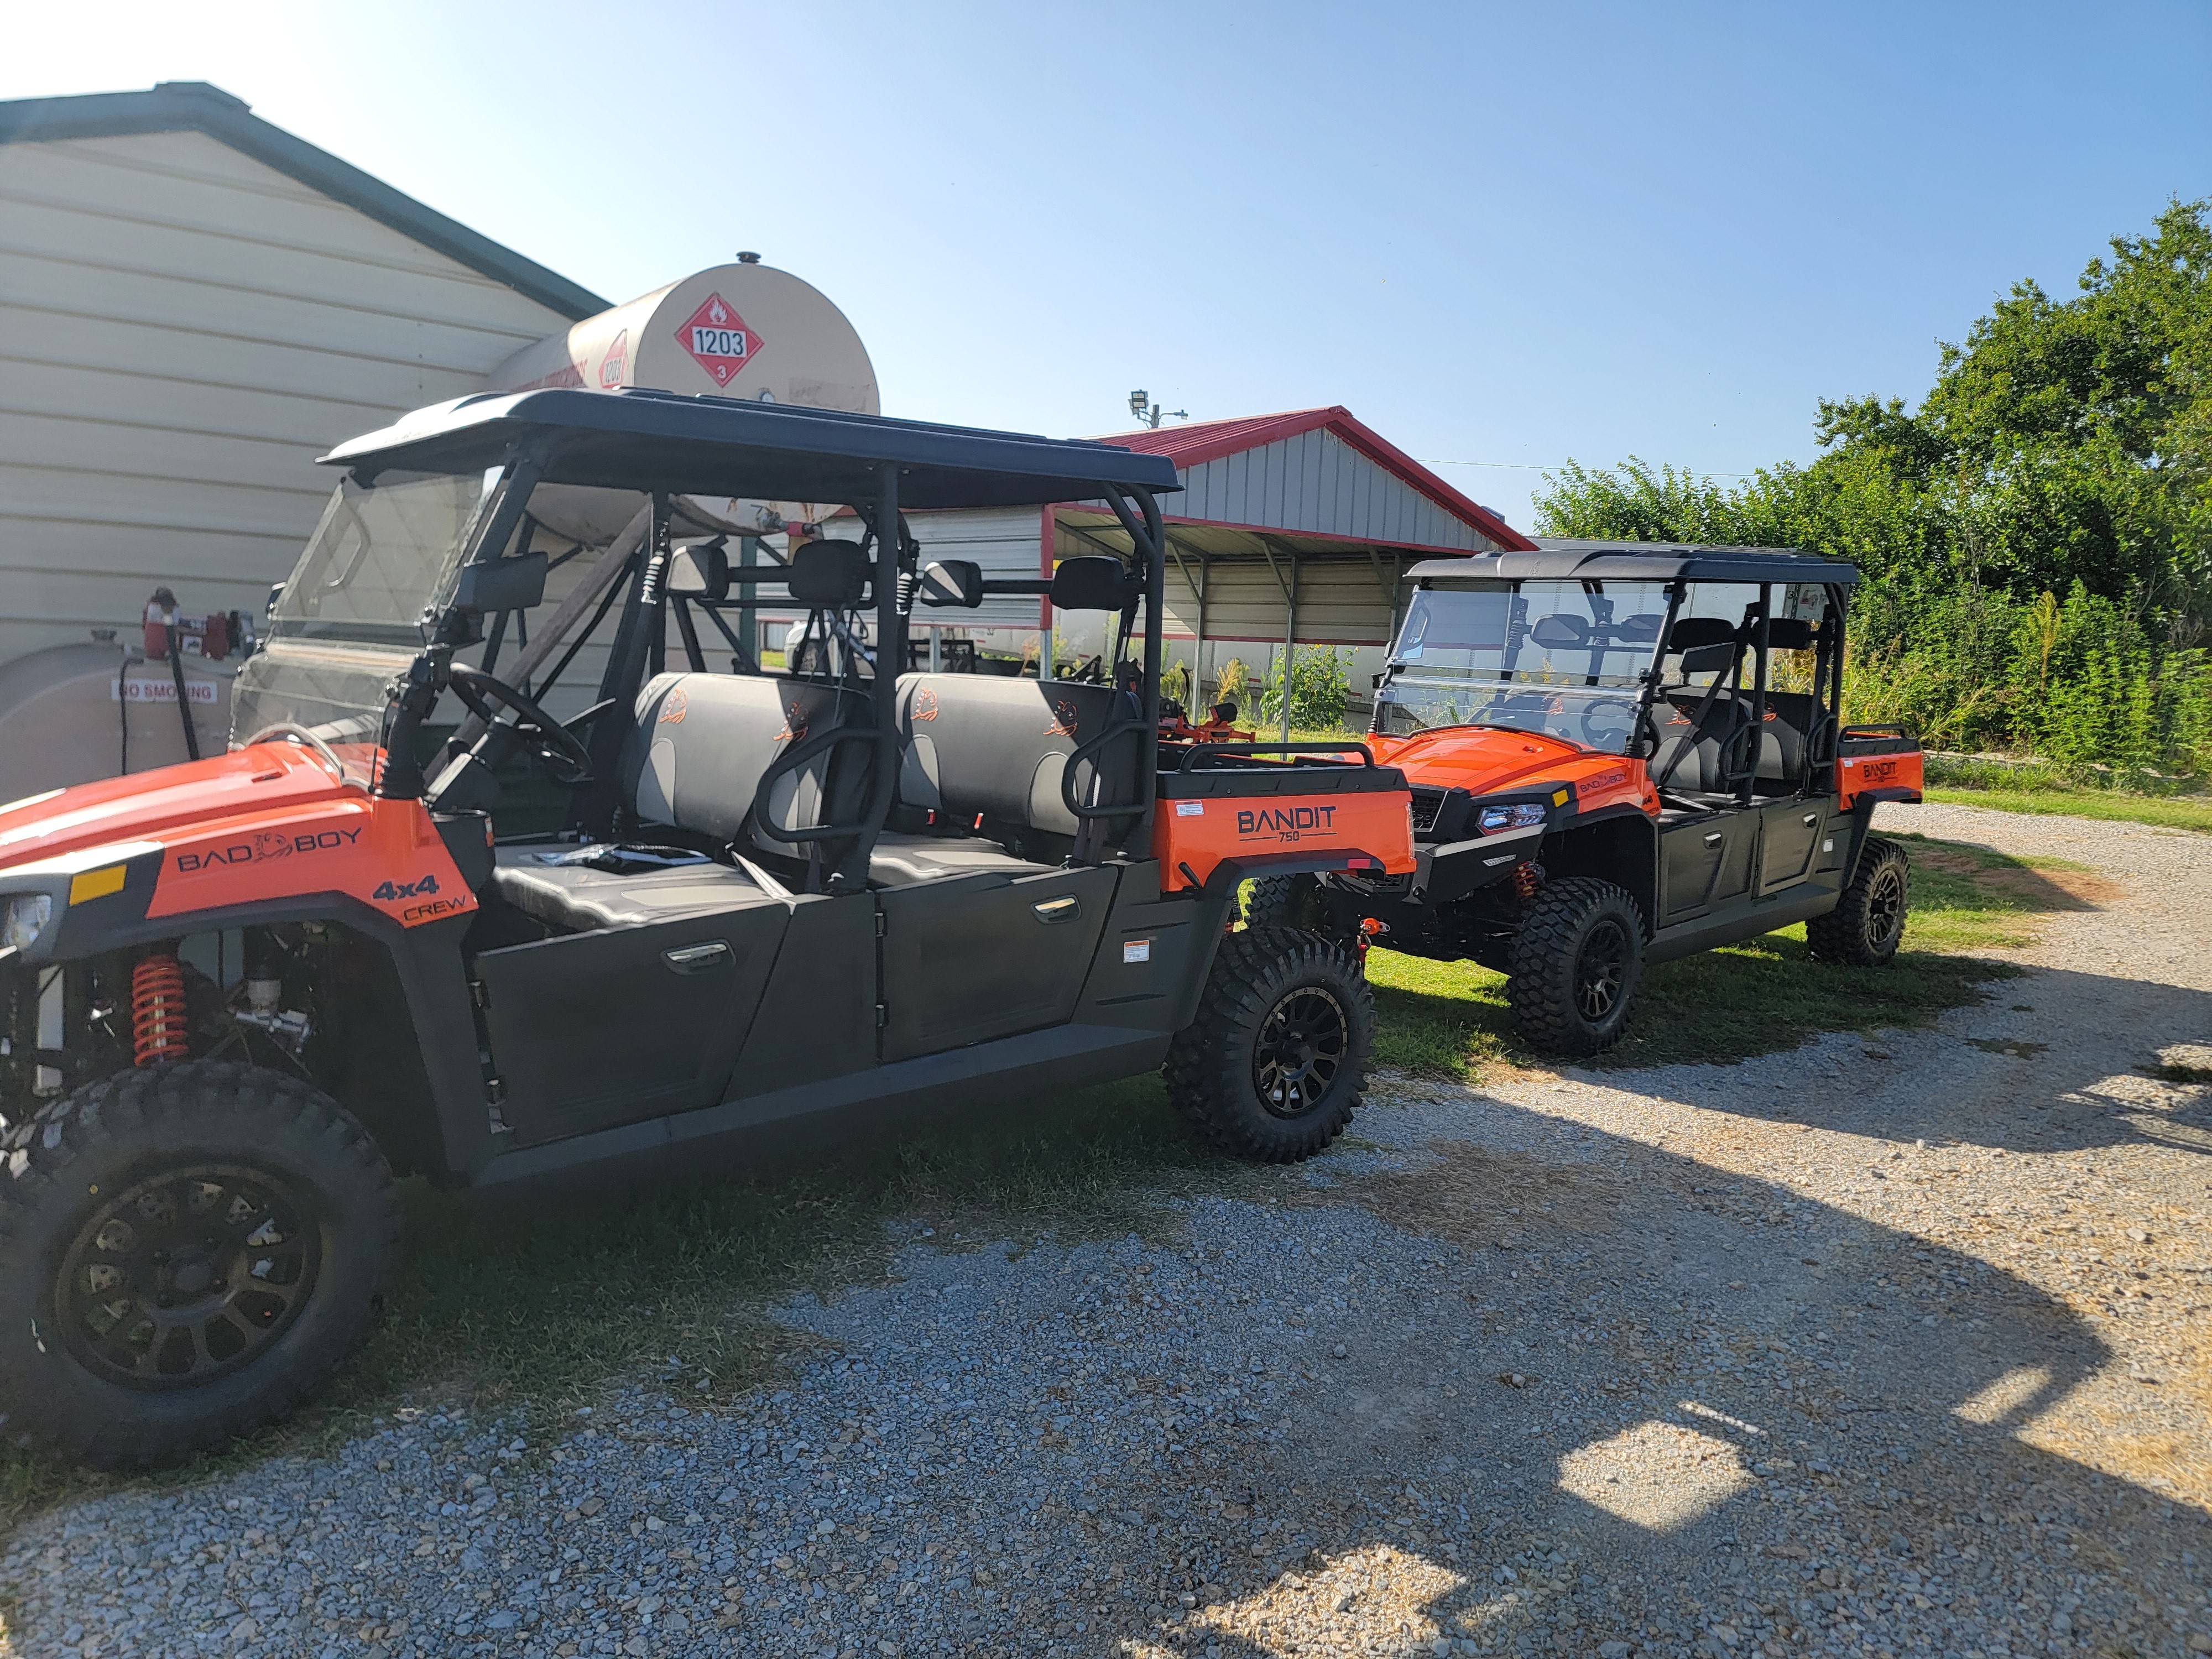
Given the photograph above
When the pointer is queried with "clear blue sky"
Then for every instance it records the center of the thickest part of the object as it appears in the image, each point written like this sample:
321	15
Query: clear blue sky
1503	233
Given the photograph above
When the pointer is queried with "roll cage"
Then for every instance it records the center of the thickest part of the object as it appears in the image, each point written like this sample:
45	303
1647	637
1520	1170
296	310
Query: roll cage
670	449
1725	654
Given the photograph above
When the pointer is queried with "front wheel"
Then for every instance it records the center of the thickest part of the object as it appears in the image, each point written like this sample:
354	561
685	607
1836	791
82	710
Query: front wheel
186	1253
1287	901
1274	1066
1868	924
1576	961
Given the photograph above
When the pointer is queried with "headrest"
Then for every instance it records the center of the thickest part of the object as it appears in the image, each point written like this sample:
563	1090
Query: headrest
1093	582
1788	634
1691	632
1708	658
830	575
1560	629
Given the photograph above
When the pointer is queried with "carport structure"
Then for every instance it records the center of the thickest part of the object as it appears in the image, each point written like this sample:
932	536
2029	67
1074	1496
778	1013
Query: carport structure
1292	529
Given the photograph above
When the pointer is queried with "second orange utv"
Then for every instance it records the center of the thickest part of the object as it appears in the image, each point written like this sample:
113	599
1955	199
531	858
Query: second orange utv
1621	753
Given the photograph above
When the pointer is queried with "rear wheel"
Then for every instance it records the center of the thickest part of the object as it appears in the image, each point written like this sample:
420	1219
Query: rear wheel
1274	1066
186	1253
1868	924
1576	960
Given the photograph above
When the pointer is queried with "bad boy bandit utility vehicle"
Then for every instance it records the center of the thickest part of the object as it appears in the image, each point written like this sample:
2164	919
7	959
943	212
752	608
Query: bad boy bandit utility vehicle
1621	753
239	995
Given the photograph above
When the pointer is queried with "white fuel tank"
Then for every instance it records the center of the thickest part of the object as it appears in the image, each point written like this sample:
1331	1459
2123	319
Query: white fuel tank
744	330
739	330
75	713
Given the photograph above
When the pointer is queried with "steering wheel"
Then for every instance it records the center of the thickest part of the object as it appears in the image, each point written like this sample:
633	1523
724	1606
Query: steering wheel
1599	737
552	741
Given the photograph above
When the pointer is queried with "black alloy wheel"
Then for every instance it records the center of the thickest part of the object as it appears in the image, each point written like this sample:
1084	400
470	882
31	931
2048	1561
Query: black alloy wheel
1574	964
1601	970
1302	1045
188	1276
1886	905
187	1252
1868	924
1273	1062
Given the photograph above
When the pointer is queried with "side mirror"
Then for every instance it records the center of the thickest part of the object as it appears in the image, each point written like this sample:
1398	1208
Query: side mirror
501	585
701	572
957	583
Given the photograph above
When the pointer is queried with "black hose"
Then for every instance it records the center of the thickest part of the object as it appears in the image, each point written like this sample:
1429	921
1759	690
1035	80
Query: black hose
177	673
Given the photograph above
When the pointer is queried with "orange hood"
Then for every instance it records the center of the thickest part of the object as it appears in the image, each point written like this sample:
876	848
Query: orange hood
1480	759
156	806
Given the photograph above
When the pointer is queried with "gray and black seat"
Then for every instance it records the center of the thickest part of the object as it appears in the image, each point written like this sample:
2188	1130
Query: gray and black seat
698	747
981	753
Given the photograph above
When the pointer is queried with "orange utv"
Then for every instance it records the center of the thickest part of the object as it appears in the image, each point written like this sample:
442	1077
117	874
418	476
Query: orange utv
1621	753
239	996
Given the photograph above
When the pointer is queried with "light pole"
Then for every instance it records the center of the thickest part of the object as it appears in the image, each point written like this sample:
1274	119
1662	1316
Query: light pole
1151	416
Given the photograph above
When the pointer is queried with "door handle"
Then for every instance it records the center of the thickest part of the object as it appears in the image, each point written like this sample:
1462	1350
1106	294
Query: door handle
1713	839
1065	907
1811	819
697	958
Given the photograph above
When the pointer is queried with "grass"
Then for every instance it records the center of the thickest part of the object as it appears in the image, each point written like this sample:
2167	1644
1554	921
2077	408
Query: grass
1449	1018
2166	811
535	1303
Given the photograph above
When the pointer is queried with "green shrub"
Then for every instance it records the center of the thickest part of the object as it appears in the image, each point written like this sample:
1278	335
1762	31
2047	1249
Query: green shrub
1321	688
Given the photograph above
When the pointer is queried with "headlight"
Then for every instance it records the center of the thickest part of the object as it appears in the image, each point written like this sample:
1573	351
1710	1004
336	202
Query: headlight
1510	818
23	919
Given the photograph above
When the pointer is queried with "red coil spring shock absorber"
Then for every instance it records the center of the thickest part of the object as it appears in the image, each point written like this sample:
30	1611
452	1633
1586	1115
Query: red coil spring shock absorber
157	1011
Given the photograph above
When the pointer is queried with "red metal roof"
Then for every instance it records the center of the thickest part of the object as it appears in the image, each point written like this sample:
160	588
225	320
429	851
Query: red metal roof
1200	441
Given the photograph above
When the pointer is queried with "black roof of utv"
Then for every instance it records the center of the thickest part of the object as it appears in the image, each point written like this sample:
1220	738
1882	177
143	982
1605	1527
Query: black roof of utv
635	439
1558	560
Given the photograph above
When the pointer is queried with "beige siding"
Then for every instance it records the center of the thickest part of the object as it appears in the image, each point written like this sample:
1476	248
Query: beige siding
182	331
1339	602
1317	484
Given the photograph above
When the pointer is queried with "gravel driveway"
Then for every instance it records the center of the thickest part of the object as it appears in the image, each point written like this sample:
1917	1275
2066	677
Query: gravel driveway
1879	1346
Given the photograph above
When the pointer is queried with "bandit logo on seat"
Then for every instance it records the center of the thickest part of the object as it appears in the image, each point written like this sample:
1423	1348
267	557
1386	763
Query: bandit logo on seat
717	337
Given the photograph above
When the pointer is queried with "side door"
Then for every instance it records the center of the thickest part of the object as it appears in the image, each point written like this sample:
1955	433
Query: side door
988	954
593	1029
1706	862
1791	841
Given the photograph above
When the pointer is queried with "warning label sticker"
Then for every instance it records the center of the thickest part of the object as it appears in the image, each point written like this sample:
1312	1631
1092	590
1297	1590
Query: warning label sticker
717	337
199	691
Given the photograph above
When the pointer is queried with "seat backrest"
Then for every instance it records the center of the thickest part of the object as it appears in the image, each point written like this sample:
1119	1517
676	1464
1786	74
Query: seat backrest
974	744
1782	738
1703	770
700	743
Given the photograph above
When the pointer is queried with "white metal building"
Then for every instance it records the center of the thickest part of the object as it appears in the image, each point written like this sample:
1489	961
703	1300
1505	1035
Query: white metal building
193	305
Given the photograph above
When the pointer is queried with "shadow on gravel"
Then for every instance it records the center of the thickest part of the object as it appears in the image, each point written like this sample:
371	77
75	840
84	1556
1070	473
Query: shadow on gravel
1449	1019
1641	1398
2069	1062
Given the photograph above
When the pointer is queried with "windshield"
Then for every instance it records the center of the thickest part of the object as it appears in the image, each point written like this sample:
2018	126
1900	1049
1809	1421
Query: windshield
1564	658
361	604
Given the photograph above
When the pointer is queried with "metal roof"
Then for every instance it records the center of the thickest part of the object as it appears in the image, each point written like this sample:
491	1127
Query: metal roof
635	439
1560	560
196	107
1196	444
